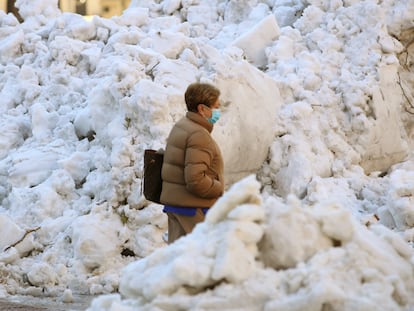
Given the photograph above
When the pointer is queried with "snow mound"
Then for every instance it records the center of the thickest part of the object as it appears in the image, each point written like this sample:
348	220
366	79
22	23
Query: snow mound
283	256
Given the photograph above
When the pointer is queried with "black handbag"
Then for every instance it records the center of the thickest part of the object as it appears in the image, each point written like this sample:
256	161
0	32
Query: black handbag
152	174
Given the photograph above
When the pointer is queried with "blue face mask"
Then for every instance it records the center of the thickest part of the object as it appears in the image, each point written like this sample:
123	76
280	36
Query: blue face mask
215	115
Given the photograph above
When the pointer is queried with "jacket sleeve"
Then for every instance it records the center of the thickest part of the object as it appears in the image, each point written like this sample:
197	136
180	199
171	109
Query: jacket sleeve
200	179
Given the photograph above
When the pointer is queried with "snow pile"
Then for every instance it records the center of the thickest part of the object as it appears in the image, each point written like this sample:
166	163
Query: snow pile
310	257
324	85
222	248
337	65
80	102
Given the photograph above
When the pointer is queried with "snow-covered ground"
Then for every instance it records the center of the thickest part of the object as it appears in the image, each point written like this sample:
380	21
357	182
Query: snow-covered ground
317	136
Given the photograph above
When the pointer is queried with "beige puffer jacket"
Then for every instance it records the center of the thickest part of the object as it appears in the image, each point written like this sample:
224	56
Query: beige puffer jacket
192	171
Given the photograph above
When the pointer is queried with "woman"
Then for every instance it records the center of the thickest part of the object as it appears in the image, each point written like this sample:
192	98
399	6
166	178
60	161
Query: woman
192	171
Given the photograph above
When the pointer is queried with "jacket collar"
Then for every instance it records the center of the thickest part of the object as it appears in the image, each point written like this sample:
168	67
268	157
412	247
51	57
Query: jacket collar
195	117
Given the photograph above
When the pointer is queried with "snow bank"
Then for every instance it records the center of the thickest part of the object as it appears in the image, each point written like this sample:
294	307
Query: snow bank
324	125
310	257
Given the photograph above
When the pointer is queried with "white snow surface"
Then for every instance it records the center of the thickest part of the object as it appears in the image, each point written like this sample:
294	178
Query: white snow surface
316	133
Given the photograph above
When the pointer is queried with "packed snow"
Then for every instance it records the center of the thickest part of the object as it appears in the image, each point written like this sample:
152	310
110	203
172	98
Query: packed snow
316	133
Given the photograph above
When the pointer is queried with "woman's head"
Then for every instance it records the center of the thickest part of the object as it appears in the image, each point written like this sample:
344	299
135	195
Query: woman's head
201	94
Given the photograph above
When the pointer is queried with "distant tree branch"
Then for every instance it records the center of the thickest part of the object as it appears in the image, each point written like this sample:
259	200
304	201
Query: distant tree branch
24	236
410	108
